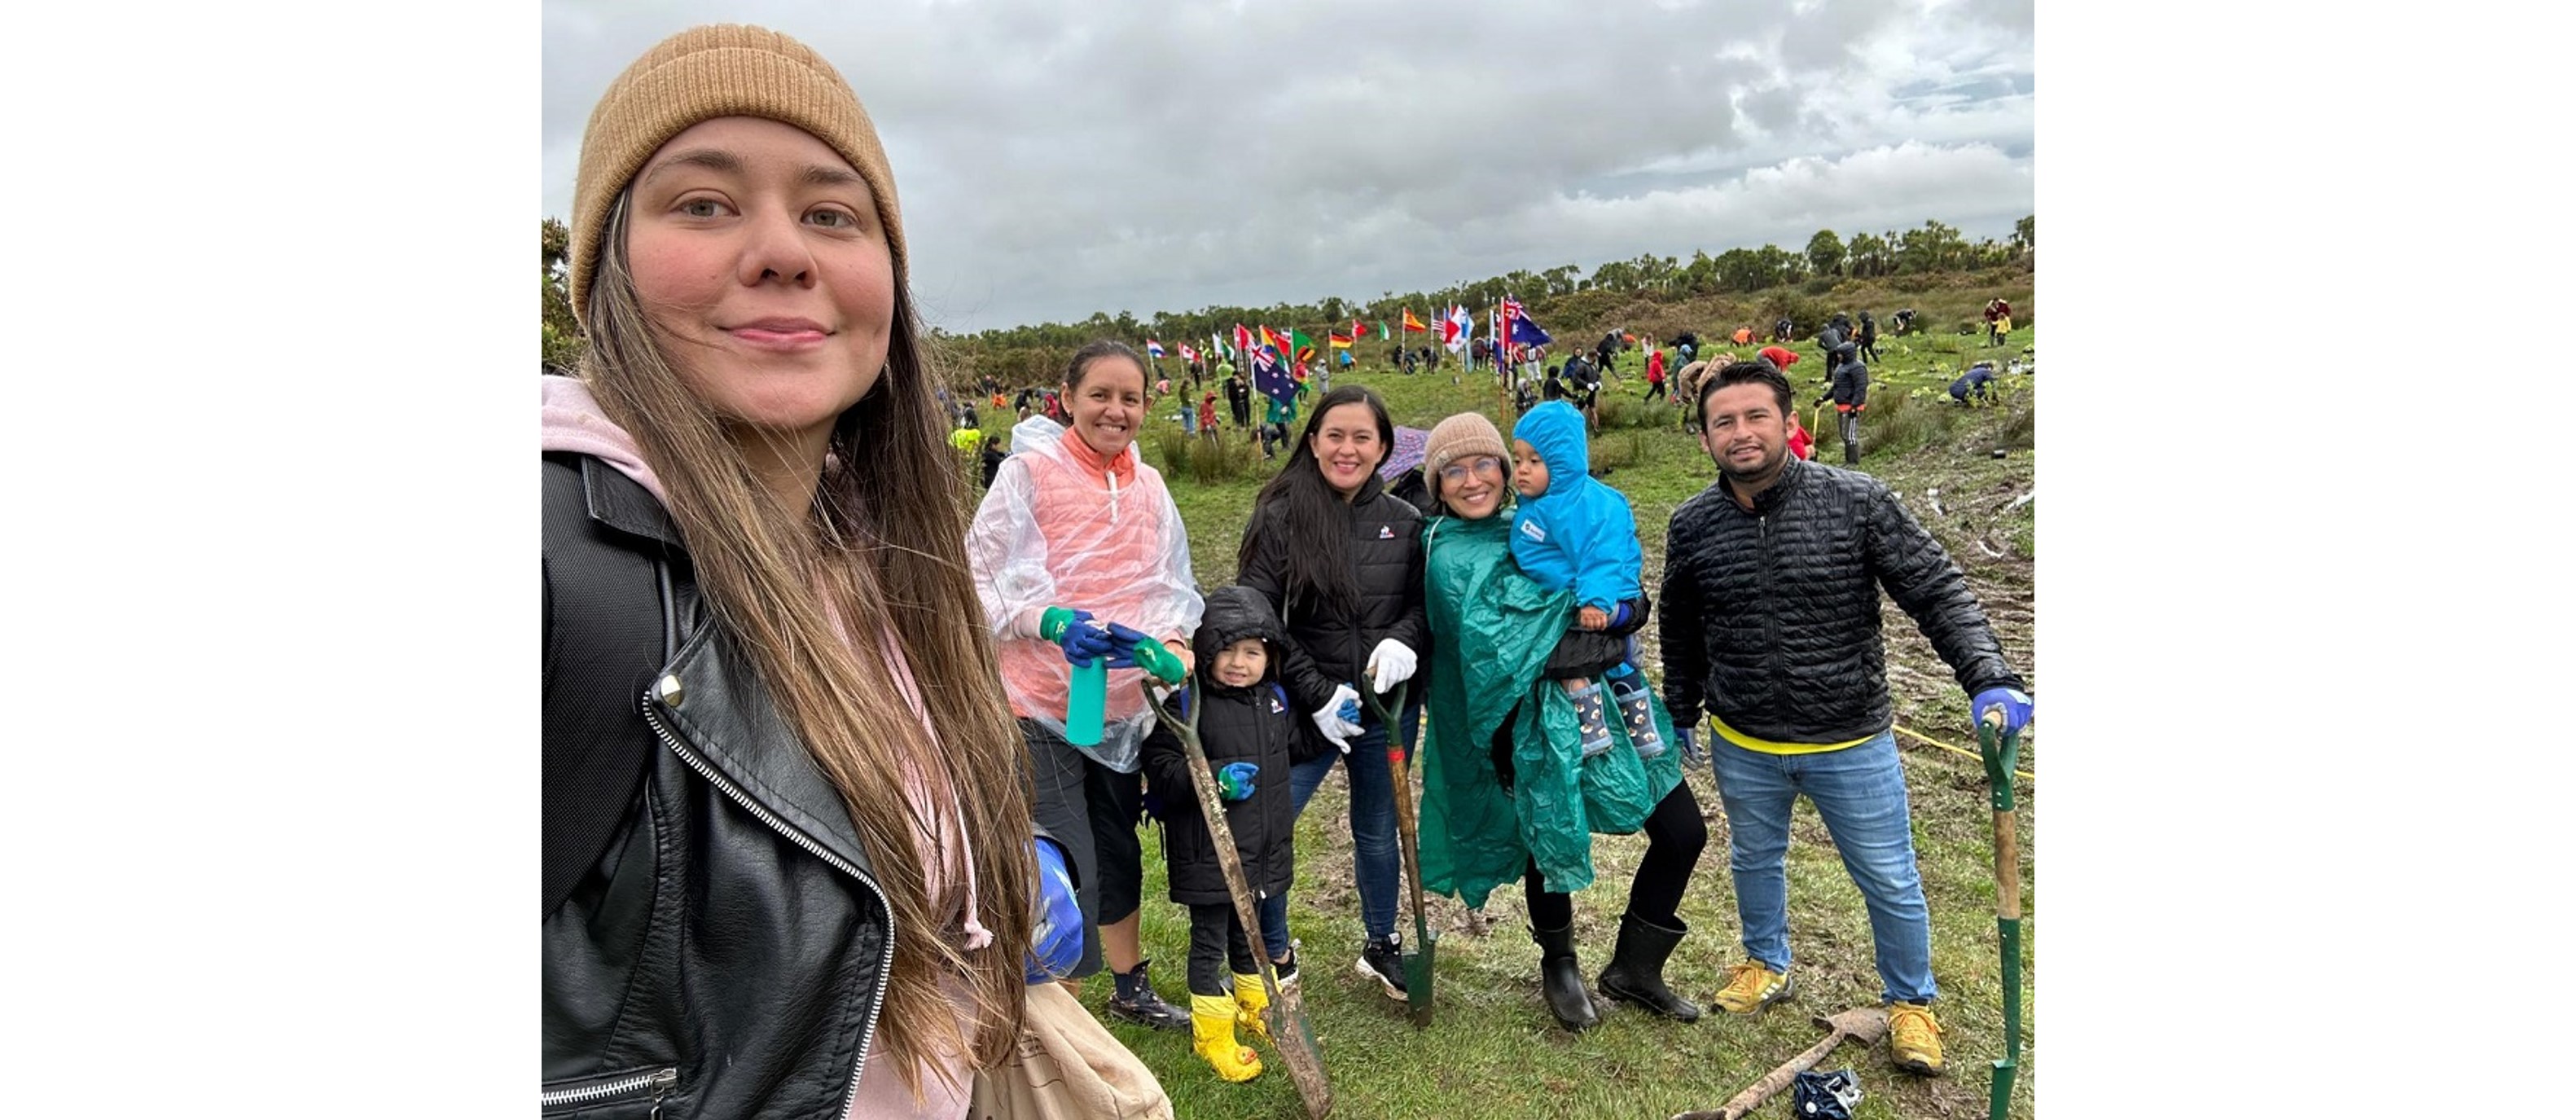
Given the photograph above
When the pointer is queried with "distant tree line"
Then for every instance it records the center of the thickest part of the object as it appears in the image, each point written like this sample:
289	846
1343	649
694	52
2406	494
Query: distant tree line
1024	355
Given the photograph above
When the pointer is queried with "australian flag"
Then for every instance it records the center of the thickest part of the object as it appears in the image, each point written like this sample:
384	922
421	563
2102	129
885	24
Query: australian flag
1523	330
1270	376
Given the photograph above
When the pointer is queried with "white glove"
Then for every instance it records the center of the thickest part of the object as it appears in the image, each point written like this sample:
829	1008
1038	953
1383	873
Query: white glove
1390	664
1338	719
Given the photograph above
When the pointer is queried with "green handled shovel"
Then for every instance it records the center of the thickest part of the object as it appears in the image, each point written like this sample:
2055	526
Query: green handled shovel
1415	956
1998	748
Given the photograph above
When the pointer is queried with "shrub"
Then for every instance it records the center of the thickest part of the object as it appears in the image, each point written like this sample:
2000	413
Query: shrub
1900	422
1228	455
1172	447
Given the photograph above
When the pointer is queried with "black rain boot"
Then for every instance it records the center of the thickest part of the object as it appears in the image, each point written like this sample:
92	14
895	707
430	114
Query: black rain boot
1134	1001
1851	453
1636	972
1561	978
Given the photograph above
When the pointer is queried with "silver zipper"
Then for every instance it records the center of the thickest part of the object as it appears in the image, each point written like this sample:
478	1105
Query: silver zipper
660	1081
885	961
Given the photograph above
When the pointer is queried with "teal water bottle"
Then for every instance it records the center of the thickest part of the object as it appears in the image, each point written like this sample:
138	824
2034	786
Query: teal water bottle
1086	696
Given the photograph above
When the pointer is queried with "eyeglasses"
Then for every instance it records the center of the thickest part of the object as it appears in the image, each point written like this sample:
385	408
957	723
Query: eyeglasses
1481	464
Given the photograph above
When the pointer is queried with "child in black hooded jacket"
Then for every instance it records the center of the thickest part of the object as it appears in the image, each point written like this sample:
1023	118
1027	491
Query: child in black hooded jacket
1251	735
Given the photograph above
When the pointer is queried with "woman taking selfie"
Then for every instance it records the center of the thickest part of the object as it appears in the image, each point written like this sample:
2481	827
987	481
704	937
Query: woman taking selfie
788	862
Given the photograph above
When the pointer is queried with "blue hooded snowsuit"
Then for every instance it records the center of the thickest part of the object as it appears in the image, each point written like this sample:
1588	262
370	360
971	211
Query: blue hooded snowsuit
1580	533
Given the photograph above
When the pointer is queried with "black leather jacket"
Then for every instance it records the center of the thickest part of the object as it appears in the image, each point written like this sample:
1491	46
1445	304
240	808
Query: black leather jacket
721	948
1771	615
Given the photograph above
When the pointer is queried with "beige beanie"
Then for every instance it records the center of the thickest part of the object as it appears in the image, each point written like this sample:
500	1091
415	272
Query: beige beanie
1467	433
718	70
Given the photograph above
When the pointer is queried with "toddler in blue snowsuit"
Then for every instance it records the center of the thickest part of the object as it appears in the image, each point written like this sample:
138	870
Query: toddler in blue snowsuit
1574	532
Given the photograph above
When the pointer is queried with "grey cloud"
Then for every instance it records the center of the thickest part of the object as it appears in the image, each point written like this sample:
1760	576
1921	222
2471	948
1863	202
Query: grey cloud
1055	161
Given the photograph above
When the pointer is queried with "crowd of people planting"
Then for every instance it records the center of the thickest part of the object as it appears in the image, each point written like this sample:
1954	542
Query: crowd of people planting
848	792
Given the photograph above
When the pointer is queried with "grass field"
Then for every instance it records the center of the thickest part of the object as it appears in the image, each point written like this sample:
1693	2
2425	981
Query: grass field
1493	1050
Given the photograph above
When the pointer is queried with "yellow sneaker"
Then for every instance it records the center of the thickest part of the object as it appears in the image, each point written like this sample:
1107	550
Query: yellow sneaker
1250	1000
1751	987
1212	1036
1914	1038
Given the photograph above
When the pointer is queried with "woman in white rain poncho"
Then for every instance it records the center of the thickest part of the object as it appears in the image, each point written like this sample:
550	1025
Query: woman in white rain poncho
1076	519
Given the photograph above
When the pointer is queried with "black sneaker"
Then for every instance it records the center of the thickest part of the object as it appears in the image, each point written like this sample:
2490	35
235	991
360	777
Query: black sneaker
1380	961
1285	969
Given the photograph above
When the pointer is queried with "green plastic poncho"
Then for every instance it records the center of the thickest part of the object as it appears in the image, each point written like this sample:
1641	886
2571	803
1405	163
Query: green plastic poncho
1495	628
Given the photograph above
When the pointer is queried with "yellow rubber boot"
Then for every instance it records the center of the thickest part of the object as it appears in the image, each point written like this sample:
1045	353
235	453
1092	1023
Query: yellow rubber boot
1212	1035
1250	1000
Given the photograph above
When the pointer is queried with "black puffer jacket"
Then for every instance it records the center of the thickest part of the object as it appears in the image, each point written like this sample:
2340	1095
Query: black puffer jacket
715	942
1770	615
1328	648
1851	384
1254	725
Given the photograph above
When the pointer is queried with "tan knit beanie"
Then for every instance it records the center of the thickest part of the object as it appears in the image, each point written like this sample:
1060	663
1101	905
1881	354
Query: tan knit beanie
718	70
1467	433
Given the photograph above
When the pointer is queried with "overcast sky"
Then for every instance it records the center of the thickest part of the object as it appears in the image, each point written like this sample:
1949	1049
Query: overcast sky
1057	159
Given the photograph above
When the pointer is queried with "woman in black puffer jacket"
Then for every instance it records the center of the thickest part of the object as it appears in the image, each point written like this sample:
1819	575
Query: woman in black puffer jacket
1340	560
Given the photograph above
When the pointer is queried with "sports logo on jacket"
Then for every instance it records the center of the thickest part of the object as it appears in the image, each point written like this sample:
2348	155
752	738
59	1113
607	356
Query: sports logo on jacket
1386	532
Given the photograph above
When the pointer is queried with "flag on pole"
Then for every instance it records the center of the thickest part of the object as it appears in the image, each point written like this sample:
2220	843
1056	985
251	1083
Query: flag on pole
1153	348
1455	329
1526	332
1270	375
1411	323
1242	344
1301	345
1338	342
1359	330
1187	354
1382	332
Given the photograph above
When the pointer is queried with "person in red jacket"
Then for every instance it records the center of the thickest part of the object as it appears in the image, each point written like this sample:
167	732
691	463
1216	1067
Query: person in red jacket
1801	444
1654	373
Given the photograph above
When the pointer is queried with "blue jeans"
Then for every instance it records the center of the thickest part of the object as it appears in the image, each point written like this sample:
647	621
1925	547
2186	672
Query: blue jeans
1373	841
1860	793
1273	912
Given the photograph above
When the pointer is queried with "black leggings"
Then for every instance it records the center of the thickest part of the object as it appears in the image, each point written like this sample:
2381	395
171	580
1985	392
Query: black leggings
1675	834
1654	389
1216	946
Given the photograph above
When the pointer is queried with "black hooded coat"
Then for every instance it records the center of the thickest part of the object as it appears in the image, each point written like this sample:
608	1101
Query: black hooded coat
1255	725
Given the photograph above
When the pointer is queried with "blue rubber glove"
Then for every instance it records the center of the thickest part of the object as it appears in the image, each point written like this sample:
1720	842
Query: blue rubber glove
1083	641
1692	752
1234	780
1620	614
1055	947
2014	702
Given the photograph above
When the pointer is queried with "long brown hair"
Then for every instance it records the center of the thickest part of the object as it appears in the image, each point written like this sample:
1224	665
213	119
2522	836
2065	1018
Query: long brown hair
880	548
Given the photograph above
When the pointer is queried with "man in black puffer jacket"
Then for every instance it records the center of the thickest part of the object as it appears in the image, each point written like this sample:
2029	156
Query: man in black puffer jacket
1771	624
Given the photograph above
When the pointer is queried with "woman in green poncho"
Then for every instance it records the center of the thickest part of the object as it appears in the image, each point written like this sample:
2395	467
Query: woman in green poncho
1506	790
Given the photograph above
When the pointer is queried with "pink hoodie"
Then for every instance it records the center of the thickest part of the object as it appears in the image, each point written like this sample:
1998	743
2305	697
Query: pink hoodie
572	421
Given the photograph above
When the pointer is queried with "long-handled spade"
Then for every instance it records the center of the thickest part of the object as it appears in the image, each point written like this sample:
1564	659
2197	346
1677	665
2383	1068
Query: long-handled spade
1998	748
1417	955
1289	1030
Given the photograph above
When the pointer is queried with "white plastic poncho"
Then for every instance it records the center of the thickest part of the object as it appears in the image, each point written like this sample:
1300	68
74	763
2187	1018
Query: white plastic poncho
1061	527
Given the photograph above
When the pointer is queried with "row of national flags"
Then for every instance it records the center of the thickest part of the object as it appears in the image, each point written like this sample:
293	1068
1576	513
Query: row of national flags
1276	358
